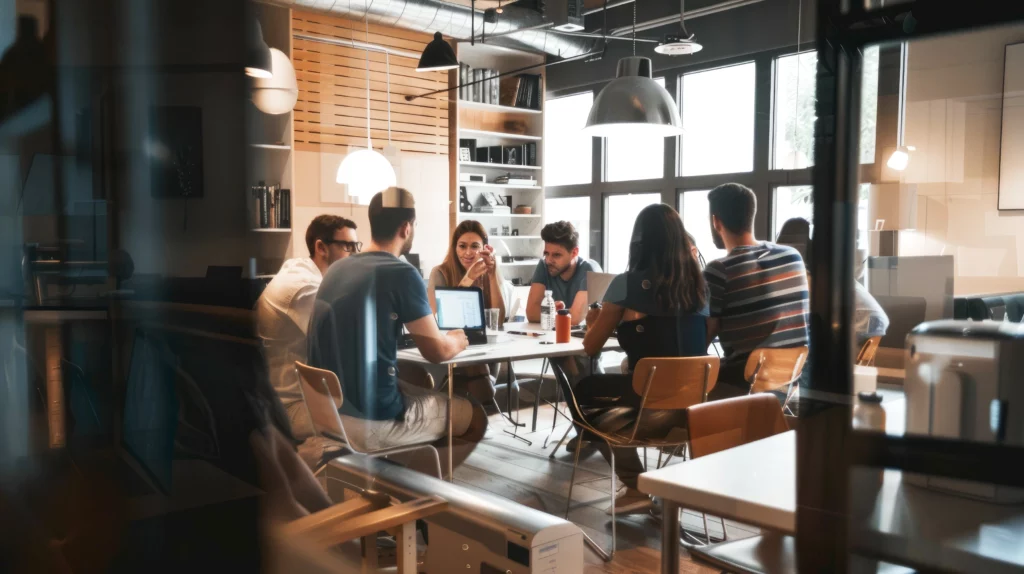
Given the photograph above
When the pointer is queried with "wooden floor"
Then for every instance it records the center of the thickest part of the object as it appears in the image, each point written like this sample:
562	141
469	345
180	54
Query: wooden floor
515	470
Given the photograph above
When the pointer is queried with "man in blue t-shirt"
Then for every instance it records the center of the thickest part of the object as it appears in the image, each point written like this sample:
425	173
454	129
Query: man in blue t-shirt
363	302
562	271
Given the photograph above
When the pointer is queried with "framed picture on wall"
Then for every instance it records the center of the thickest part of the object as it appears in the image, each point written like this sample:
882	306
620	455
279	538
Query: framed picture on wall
465	154
176	152
1011	148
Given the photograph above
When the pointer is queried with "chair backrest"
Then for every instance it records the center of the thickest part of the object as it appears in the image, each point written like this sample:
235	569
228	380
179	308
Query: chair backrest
676	382
866	356
771	369
724	424
321	390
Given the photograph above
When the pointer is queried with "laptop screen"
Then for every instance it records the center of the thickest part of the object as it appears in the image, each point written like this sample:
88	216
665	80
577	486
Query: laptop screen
459	308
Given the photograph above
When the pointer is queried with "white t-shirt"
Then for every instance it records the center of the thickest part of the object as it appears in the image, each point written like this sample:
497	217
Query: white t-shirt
282	317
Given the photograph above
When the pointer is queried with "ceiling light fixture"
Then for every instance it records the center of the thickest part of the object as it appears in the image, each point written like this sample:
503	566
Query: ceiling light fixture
437	56
900	159
258	61
366	171
676	45
633	104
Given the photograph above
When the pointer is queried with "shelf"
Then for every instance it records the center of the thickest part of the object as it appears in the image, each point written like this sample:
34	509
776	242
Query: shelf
503	215
502	135
504	237
272	230
500	166
528	262
271	146
497	185
470	105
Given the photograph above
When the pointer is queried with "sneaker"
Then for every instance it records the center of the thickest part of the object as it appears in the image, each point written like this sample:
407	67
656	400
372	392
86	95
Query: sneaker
632	501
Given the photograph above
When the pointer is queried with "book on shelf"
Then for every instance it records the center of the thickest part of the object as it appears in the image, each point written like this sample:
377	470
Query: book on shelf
494	209
495	86
509	90
529	156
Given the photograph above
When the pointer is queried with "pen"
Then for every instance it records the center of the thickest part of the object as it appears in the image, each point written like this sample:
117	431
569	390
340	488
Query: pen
526	333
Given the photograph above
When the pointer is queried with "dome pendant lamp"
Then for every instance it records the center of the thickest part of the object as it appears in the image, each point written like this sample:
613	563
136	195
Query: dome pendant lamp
257	54
437	56
633	104
366	171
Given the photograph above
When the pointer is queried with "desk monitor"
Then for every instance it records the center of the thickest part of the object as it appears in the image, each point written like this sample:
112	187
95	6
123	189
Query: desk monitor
597	286
462	308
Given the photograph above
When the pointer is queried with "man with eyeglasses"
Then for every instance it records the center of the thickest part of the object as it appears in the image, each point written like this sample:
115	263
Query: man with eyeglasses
282	315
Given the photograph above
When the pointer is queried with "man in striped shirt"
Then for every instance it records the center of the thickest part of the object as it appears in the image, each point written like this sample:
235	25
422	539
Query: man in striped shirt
759	295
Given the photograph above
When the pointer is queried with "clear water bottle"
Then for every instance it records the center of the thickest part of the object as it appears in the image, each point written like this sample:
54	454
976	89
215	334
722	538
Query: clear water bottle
547	312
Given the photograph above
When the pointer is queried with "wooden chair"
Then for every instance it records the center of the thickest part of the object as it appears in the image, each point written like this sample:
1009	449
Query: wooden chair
662	384
720	425
866	356
321	393
771	369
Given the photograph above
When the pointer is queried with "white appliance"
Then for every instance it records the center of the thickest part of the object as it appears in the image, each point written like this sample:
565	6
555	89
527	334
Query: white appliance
963	382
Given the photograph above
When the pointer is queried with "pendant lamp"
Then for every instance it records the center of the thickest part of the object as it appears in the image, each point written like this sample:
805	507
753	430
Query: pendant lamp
633	104
277	94
366	171
258	61
438	55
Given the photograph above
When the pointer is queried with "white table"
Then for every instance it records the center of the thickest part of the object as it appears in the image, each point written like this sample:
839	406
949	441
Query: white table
509	348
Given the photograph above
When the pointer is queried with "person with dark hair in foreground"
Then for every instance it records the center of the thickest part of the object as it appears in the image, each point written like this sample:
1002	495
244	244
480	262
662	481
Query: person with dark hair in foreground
562	271
659	308
282	315
759	295
361	307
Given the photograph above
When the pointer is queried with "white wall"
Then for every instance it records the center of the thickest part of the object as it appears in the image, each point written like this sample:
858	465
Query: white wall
425	175
953	117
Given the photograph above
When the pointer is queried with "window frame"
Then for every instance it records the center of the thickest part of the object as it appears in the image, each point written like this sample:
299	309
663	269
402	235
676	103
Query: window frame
762	179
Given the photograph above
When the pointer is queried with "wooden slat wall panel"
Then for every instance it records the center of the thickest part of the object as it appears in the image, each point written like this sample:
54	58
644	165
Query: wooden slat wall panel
331	111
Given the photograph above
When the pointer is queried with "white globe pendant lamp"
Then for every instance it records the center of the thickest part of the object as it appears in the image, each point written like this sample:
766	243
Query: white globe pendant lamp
277	94
366	171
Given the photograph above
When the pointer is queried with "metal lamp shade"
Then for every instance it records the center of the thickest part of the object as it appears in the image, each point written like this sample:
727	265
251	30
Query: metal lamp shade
438	55
633	104
258	61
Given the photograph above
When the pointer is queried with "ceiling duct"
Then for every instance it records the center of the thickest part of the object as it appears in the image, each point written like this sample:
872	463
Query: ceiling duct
454	21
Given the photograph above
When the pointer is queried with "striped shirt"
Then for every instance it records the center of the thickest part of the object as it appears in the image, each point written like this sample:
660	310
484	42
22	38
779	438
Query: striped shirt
760	294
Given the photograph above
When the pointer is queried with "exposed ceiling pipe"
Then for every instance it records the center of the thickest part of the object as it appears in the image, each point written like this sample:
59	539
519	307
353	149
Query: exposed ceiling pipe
610	5
516	27
357	44
690	15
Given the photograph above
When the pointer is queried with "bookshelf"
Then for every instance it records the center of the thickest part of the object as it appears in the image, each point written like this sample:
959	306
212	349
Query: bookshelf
489	124
269	141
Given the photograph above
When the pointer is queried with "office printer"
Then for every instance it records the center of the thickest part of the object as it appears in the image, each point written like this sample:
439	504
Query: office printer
964	382
479	533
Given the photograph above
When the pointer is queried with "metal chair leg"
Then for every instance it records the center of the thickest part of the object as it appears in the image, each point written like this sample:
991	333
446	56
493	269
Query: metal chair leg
611	451
561	441
572	481
540	387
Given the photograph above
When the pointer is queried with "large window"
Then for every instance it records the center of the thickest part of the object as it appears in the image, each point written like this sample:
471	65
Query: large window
627	158
793	117
575	210
568	152
620	214
718	119
796	201
697	221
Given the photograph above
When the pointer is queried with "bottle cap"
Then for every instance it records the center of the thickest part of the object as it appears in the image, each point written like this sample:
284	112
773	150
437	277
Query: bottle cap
548	292
563	311
869	397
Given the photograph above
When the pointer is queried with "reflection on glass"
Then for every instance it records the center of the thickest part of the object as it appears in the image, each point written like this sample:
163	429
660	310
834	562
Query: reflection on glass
568	152
620	214
697	221
798	201
718	119
575	210
869	105
628	158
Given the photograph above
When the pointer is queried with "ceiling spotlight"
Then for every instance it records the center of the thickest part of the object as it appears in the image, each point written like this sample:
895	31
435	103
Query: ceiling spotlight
900	158
679	44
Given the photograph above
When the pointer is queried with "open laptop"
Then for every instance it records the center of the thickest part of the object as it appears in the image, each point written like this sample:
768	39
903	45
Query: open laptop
597	286
462	308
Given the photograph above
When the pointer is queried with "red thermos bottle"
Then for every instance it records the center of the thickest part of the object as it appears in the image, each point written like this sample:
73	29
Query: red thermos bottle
563	324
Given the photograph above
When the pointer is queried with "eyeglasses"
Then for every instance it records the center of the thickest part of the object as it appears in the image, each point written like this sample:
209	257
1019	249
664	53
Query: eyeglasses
347	246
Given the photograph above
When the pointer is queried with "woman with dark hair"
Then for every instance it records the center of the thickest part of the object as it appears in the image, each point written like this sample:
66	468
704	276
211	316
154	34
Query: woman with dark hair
659	308
470	262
